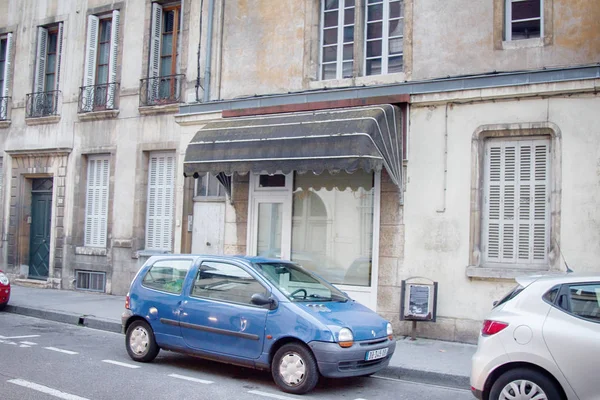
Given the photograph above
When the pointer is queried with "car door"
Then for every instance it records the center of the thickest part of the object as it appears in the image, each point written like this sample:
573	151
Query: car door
572	334
217	315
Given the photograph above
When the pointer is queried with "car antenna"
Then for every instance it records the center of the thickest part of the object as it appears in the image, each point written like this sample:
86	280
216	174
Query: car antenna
569	270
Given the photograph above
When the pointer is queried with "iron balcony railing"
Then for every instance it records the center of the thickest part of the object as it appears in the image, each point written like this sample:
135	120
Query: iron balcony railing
98	97
161	90
42	104
4	108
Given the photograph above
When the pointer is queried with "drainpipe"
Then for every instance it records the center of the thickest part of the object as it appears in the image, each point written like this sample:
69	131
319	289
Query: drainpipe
209	34
198	86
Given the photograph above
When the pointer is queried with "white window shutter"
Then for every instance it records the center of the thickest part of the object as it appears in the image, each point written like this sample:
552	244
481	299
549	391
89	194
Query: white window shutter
112	63
40	60
159	214
154	61
97	201
59	51
541	202
5	89
89	71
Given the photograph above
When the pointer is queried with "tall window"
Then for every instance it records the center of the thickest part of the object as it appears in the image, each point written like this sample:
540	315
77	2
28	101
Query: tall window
523	19
47	71
337	38
384	37
96	207
160	205
99	83
164	51
6	44
516	209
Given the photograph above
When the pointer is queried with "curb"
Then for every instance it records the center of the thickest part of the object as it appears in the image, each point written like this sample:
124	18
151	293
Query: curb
428	377
66	318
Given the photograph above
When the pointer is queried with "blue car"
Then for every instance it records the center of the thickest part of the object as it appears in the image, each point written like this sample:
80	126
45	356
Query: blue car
255	312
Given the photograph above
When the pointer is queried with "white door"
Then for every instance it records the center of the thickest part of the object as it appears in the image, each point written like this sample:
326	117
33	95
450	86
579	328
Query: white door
208	227
270	225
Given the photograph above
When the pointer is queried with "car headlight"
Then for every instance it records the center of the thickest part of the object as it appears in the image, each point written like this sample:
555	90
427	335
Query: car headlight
390	331
3	279
345	337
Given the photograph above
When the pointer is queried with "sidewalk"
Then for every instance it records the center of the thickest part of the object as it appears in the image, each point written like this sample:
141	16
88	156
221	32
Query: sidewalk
423	360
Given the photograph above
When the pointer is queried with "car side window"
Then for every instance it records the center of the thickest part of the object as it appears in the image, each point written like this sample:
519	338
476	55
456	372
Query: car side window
228	282
585	301
167	275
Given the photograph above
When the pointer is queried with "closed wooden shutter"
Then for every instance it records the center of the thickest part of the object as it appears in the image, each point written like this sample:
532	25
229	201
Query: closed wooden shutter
89	71
96	210
159	214
59	53
5	89
154	61
516	201
40	60
112	63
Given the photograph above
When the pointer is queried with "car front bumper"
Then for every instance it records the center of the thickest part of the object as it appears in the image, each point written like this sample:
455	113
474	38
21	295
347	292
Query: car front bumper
338	362
4	294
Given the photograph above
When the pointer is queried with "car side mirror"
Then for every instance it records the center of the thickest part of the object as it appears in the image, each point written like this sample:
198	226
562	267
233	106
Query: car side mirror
261	299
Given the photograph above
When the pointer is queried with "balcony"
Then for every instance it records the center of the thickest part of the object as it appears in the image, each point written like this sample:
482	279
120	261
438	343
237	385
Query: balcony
161	90
42	104
98	98
4	108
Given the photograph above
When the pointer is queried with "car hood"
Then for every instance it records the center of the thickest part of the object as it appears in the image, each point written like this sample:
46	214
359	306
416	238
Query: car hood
364	323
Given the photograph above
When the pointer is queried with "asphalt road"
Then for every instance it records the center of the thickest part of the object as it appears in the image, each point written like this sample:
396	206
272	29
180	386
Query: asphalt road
46	360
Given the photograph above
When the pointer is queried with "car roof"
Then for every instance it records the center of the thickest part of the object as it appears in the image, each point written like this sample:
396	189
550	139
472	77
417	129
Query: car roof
558	278
251	259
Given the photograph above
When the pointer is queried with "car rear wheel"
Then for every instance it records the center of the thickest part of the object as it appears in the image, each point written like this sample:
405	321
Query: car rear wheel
523	383
140	342
294	369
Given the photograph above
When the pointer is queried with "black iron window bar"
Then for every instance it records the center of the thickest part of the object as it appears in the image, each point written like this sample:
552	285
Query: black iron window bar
4	109
42	104
161	90
98	97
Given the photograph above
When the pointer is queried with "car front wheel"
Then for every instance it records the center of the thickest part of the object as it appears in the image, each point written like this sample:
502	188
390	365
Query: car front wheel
523	383
140	342
294	369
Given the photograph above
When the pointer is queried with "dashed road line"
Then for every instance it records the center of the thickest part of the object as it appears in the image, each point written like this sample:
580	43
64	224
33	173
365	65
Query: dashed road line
121	364
28	343
46	390
271	395
19	337
189	378
61	350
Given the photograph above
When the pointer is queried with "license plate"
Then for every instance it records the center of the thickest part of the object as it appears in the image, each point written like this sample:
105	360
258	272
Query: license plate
376	354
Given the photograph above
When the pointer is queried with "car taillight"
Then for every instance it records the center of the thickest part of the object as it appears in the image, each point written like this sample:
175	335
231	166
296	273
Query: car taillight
127	301
492	327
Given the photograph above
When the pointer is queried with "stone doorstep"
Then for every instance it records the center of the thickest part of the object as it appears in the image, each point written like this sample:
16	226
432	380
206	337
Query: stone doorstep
34	283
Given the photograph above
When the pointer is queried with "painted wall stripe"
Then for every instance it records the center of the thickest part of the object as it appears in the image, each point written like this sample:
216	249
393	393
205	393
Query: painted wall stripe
46	390
189	378
61	350
121	364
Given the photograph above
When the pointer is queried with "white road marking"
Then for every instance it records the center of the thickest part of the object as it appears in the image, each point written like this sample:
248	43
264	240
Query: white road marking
45	389
120	364
61	350
29	343
272	396
19	337
24	345
421	383
13	343
188	378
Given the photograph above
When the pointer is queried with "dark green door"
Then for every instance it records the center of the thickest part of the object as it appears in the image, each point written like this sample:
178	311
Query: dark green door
39	246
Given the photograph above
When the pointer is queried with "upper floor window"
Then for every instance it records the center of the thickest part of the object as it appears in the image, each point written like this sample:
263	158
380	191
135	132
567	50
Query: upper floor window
6	44
100	72
523	19
384	37
337	38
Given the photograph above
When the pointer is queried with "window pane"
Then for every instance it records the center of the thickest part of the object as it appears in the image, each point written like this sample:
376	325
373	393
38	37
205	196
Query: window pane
374	30
165	66
277	180
225	282
103	53
166	47
329	71
331	4
375	12
50	63
105	27
167	275
169	21
348	34
525	9
347	69
585	301
102	75
395	46
330	53
330	36
348	52
526	30
396	27
374	66
349	16
331	19
374	48
202	185
395	64
270	218
332	225
52	39
396	9
349	3
213	186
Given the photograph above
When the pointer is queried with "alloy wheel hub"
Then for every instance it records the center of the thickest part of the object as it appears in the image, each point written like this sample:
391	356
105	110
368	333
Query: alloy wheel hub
292	369
139	341
522	390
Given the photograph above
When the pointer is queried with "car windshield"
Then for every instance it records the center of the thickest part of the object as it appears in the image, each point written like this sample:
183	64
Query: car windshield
510	295
297	284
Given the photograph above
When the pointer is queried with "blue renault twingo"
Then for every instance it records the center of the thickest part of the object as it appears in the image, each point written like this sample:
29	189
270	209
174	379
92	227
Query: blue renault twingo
256	312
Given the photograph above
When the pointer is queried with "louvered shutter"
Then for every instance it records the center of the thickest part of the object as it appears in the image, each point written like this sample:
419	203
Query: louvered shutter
91	49
112	63
154	61
516	201
159	213
40	60
6	78
97	201
59	52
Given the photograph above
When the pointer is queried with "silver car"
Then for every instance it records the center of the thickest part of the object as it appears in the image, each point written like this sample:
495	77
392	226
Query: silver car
541	341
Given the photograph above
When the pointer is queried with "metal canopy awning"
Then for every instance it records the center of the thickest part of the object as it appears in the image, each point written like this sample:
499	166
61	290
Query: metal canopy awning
338	139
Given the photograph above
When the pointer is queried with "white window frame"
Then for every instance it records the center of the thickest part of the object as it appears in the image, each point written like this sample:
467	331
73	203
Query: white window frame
508	21
41	55
385	38
507	193
159	228
206	195
339	63
97	201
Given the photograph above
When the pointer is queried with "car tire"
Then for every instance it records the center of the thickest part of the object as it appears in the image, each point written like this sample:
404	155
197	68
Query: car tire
140	343
3	306
523	379
294	369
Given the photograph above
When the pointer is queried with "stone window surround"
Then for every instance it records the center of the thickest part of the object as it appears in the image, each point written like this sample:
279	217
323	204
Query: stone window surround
499	25
477	269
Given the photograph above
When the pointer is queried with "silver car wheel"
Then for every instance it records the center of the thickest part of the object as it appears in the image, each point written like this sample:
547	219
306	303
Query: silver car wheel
139	341
292	369
522	389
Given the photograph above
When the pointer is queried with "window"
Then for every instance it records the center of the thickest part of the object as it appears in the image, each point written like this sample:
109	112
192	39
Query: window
90	280
516	203
167	275
6	44
209	186
382	50
384	37
226	282
164	52
523	19
96	208
159	213
584	301
99	83
44	100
